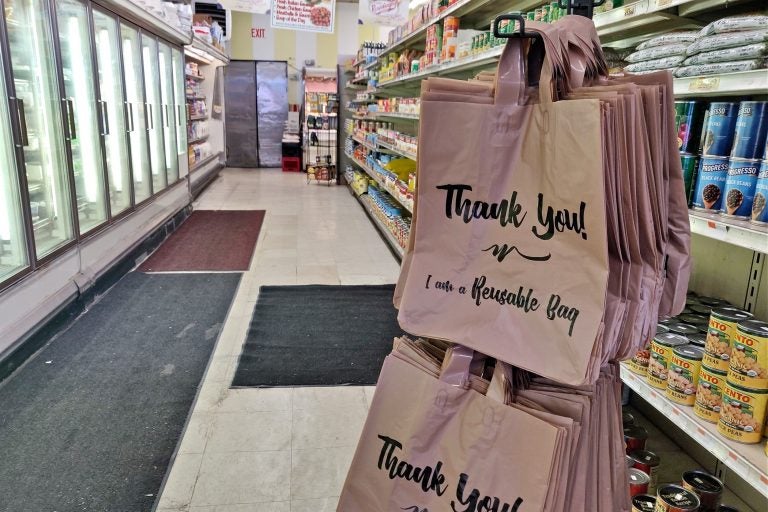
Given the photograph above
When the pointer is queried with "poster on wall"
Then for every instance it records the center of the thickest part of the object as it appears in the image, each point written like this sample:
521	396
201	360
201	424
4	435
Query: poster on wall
254	6
384	12
310	15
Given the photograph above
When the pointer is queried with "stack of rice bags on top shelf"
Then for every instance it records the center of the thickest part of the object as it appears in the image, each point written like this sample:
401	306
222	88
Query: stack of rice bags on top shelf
728	45
667	51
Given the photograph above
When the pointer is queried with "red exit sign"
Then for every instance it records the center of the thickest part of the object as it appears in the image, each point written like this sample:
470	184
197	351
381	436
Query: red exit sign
259	33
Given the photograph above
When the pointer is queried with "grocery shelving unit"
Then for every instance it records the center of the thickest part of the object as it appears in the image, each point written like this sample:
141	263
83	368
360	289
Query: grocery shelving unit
715	238
747	461
205	134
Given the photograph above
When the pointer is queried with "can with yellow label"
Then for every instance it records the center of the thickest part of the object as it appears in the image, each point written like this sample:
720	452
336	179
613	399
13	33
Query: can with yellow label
743	413
722	327
683	374
709	394
661	354
749	355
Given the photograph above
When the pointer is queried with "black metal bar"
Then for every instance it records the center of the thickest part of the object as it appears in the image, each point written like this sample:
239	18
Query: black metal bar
513	17
580	7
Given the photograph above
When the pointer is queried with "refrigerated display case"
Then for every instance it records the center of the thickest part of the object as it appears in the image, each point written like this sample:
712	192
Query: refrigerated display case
168	108
114	128
13	244
179	96
38	105
80	108
149	58
136	112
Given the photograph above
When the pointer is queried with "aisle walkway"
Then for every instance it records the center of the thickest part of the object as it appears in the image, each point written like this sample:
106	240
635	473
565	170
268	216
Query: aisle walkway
278	449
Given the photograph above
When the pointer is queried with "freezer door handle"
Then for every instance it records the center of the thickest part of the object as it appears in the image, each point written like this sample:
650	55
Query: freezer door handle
22	116
104	117
148	107
69	108
129	114
167	116
178	115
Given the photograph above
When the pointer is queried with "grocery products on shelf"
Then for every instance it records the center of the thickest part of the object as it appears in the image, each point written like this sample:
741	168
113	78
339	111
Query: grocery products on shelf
723	149
714	358
727	45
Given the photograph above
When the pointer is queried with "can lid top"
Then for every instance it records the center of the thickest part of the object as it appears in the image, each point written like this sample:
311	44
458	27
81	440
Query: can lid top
712	301
635	431
693	318
701	309
637	476
754	327
679	497
731	313
702	481
669	339
684	329
646	457
698	339
689	351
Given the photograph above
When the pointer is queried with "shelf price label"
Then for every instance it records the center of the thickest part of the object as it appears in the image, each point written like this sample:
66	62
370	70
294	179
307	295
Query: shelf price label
660	4
704	84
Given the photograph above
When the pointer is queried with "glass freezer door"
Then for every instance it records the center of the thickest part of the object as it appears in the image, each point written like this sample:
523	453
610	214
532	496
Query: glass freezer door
39	109
136	113
168	110
81	110
154	114
13	244
113	112
179	95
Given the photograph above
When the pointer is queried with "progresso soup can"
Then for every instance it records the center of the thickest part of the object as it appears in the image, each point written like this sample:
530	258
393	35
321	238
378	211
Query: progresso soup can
742	416
759	209
635	437
661	354
751	130
675	498
749	355
708	488
719	128
722	327
689	164
740	185
689	118
709	394
710	182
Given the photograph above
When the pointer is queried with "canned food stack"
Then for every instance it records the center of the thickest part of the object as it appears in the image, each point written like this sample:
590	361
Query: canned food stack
713	357
730	175
696	491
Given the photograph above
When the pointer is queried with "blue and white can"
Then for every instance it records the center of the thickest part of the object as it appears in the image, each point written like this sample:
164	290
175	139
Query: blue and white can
751	130
740	188
710	182
719	128
759	207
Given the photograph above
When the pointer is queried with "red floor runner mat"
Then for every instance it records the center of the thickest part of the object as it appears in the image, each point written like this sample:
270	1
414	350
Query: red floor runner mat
220	240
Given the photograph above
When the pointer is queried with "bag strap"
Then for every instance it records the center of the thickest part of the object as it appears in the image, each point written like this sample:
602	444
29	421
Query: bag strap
522	57
455	369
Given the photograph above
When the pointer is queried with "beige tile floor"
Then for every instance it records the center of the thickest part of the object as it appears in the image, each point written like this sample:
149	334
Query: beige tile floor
279	449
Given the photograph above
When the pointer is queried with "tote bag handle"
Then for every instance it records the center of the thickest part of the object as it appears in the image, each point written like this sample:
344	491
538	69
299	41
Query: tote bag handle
520	60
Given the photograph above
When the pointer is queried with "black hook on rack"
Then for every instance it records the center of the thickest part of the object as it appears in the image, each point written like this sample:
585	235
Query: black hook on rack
513	17
580	7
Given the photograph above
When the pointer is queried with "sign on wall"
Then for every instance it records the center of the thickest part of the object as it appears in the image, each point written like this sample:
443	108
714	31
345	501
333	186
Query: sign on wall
310	15
254	6
384	12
